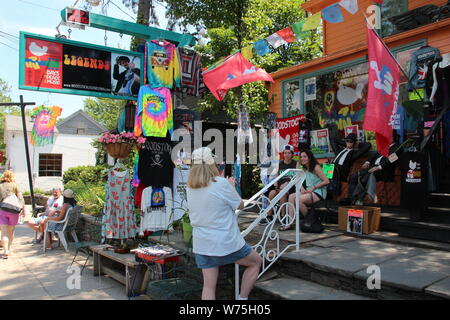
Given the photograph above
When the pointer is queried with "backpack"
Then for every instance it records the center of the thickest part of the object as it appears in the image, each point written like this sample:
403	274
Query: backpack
312	222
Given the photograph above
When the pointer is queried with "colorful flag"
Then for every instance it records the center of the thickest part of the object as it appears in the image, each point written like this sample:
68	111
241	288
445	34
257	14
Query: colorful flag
275	40
297	29
287	34
349	5
383	92
313	21
333	13
44	125
261	47
234	72
247	52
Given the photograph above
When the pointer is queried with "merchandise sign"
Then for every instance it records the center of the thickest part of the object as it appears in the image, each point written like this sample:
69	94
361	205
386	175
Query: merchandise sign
65	66
320	142
77	16
288	129
355	221
310	89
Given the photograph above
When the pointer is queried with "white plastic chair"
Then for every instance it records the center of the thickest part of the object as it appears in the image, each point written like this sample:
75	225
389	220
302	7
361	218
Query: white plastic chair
70	222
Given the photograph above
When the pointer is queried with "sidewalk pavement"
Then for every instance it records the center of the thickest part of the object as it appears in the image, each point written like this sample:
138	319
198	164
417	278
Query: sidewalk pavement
32	275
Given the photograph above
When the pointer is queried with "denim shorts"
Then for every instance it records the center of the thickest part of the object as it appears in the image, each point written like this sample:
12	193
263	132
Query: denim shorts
38	220
206	262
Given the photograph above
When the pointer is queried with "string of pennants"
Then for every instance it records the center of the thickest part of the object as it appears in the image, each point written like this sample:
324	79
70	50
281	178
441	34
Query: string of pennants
300	30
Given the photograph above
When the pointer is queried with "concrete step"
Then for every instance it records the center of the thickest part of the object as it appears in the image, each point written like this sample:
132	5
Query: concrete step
343	263
424	230
289	288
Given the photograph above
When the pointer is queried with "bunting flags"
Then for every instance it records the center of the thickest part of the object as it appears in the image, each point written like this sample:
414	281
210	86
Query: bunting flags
349	5
235	71
247	52
297	28
287	34
383	92
275	40
312	22
333	13
261	47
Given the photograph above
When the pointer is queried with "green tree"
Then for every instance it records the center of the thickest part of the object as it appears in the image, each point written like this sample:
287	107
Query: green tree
4	97
105	111
235	24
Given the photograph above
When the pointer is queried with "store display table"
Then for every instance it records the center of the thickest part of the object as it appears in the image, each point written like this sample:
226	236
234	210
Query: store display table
121	267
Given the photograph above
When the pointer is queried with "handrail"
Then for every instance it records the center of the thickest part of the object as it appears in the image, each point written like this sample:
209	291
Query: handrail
270	256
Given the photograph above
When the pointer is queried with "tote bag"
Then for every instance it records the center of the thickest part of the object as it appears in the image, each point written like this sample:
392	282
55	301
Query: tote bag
11	204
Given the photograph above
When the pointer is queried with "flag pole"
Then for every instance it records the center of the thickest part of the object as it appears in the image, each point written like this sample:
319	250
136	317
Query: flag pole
388	50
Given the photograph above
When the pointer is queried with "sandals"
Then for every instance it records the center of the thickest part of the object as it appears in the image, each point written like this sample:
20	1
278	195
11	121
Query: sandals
286	227
4	256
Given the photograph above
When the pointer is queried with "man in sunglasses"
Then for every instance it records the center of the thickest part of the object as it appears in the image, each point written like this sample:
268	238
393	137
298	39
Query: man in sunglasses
346	156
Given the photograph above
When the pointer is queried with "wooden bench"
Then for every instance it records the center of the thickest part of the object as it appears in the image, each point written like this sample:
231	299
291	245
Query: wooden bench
121	267
388	193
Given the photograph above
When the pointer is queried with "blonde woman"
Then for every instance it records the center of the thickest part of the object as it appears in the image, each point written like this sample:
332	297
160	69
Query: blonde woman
212	201
8	218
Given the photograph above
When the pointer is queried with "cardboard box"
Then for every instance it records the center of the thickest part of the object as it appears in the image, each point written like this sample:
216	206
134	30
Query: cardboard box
371	218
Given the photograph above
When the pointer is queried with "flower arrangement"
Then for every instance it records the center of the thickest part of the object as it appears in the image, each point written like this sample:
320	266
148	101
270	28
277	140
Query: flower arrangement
118	145
124	137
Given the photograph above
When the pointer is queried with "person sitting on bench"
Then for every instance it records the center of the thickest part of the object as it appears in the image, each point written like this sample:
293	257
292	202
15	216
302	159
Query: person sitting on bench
316	186
377	168
347	156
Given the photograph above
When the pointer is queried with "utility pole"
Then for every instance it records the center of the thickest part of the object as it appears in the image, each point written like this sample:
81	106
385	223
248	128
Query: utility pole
22	106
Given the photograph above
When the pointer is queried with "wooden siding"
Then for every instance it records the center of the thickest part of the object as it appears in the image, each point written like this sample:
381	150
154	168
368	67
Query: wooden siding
436	35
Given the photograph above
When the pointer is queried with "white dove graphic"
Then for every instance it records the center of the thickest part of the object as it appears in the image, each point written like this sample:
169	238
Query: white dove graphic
36	50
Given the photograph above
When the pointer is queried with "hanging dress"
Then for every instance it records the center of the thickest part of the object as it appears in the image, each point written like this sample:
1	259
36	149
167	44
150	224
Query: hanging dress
118	220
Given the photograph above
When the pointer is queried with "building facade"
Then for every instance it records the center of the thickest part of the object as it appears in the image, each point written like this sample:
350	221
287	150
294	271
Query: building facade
71	148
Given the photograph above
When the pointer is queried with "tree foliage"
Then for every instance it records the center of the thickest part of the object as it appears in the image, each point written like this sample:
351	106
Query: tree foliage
105	111
235	24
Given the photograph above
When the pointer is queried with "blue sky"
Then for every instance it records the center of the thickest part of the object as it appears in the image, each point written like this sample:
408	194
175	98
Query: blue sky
42	17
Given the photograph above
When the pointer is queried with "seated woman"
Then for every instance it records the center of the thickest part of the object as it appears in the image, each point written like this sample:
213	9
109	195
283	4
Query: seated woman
54	204
316	189
69	202
283	165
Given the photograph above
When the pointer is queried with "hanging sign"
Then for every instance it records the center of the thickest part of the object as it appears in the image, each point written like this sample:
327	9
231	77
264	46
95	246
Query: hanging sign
310	89
320	142
65	66
76	17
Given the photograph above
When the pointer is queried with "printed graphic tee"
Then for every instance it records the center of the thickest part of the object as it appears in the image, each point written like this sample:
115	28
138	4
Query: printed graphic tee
44	125
163	65
155	163
154	114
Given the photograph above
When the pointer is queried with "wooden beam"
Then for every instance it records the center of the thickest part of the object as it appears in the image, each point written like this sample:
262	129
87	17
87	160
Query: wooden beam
138	30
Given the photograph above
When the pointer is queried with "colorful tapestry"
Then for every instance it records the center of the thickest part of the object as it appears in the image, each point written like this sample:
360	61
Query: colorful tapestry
44	125
154	114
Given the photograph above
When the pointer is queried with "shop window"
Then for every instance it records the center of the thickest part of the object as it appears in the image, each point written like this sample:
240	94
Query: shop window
81	130
292	99
50	165
391	8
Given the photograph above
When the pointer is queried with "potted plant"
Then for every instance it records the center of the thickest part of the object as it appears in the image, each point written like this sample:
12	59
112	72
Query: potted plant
187	227
118	145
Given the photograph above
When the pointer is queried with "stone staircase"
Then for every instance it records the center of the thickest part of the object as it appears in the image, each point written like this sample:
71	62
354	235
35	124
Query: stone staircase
336	268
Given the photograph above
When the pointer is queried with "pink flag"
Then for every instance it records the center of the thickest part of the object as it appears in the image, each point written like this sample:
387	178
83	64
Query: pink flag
383	92
235	71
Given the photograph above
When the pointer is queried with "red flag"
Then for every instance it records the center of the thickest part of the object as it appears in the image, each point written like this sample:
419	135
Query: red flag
380	2
383	92
235	71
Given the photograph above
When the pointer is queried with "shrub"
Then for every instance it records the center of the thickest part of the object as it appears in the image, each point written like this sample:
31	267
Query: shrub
89	195
86	174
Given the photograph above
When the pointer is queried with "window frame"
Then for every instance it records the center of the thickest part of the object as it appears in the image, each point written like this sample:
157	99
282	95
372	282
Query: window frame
44	172
403	3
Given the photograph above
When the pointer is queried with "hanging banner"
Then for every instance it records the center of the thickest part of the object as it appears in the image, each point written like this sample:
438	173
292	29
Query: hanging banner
65	66
44	125
288	129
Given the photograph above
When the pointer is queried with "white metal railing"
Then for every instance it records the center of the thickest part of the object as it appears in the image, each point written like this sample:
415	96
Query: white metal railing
270	234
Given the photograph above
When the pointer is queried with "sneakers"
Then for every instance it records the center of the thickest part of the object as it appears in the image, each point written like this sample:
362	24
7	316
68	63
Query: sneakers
266	220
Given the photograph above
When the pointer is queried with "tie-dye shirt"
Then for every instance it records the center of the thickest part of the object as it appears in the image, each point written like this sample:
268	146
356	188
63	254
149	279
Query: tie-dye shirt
154	114
163	65
44	125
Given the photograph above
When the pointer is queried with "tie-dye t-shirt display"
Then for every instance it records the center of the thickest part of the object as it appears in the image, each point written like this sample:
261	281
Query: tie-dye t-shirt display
163	65
44	125
154	114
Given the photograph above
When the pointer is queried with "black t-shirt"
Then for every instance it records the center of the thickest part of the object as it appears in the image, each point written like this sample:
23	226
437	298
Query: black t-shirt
155	163
184	119
282	166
